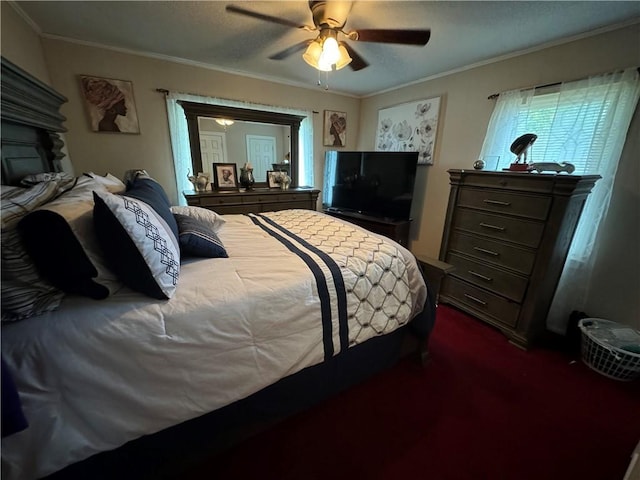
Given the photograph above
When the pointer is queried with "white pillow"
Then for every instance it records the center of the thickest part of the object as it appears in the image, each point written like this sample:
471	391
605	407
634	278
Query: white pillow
138	244
113	184
206	216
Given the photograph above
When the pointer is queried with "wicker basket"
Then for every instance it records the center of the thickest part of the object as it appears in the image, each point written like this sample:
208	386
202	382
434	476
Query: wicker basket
601	348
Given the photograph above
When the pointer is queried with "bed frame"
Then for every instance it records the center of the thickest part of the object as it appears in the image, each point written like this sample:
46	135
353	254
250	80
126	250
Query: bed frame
31	121
30	144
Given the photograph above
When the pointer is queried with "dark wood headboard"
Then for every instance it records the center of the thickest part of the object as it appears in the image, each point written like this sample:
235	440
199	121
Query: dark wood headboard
31	121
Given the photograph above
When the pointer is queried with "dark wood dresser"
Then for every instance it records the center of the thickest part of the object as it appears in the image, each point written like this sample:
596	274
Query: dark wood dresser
397	230
254	201
507	234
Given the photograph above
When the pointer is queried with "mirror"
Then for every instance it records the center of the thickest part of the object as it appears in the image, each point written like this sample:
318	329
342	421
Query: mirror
252	129
260	144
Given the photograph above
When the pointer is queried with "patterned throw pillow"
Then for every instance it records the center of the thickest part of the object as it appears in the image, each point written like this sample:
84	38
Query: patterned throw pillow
61	240
137	244
24	293
209	217
197	239
152	193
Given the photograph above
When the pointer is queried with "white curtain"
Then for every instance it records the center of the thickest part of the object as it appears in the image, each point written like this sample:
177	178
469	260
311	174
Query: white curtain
584	123
180	136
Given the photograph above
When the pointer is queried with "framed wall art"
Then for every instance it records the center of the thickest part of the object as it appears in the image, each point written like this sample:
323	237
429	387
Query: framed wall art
225	176
335	128
409	127
109	104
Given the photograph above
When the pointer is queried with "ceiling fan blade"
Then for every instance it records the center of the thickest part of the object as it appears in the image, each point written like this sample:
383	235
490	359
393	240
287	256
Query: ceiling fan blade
357	62
405	37
262	16
290	51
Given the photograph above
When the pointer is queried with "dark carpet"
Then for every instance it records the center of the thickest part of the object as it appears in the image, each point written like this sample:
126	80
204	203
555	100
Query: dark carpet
481	409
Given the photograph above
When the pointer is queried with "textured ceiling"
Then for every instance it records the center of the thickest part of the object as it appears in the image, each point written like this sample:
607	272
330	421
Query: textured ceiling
462	34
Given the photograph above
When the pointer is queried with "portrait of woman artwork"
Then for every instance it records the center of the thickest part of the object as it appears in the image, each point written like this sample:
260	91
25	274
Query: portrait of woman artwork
335	128
109	104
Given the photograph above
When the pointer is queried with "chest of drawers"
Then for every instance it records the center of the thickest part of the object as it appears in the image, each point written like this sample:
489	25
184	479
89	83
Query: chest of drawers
507	234
254	201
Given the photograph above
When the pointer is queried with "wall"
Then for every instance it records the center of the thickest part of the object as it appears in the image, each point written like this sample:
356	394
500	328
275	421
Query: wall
21	43
615	279
151	149
464	115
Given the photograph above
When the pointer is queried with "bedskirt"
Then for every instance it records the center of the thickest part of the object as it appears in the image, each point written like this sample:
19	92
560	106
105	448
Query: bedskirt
167	454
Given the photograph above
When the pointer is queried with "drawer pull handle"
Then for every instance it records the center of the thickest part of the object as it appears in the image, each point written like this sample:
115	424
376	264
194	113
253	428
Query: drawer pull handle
479	275
488	252
492	227
497	202
477	300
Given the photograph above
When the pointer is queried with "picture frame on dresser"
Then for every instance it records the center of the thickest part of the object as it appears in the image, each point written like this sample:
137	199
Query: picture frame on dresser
272	179
225	177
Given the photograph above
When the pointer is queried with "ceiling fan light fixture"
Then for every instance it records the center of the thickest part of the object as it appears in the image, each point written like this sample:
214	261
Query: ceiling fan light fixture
345	59
330	51
225	122
312	54
326	54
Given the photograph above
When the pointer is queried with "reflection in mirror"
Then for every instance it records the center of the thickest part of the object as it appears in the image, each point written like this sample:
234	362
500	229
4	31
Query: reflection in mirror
260	144
259	137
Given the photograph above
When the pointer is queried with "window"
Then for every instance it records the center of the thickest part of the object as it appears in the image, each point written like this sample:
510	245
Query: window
568	129
584	123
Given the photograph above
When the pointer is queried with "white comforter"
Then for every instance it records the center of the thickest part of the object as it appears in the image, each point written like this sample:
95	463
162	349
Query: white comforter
96	374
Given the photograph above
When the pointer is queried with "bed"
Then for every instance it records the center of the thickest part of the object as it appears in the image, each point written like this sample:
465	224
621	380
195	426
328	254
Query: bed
135	374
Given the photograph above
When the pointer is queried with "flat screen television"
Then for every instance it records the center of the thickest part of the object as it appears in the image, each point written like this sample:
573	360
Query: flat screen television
378	184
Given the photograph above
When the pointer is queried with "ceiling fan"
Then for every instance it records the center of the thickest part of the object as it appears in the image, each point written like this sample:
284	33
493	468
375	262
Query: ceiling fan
327	52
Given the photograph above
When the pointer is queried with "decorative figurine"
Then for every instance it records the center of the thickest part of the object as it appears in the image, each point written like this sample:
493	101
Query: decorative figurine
553	167
199	182
478	164
246	176
519	147
282	179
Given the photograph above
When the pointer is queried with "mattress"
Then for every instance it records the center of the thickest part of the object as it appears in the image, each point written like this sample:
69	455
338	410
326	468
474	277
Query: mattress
298	287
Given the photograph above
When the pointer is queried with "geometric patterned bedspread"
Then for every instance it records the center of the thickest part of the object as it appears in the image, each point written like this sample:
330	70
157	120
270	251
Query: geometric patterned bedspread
367	273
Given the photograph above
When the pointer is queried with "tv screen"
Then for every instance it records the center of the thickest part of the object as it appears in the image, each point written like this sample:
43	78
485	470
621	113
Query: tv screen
371	183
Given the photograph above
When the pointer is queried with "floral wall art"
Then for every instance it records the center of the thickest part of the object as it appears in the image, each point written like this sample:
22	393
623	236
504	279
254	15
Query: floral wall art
409	127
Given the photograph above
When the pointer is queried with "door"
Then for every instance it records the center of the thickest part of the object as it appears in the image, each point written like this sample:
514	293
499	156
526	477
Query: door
261	153
213	149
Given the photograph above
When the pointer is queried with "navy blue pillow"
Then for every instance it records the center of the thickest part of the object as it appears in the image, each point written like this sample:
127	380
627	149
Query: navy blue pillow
152	193
197	239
